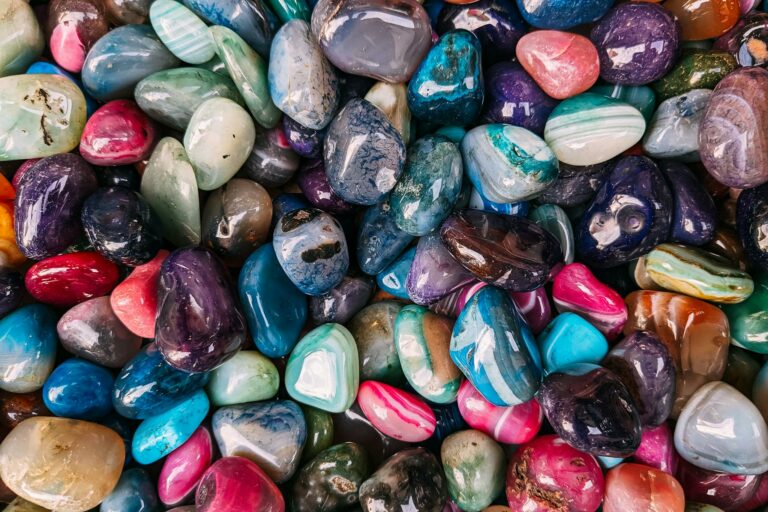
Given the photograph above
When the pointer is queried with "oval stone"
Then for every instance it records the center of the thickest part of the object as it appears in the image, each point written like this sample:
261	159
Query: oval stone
21	39
135	492
79	389
250	19
638	487
343	301
474	469
181	31
73	27
373	329
673	132
562	14
28	344
247	377
184	467
236	484
396	413
68	279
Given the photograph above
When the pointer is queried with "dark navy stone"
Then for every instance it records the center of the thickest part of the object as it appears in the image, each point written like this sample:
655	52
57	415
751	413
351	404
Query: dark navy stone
562	14
11	290
341	303
135	492
285	203
752	224
119	176
79	389
449	420
694	215
353	86
304	141
379	241
393	279
575	184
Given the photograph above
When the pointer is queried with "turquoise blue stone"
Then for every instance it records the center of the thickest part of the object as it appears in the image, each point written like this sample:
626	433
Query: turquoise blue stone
570	339
380	241
28	346
495	349
121	59
135	492
159	435
148	386
275	309
554	219
452	133
79	389
448	86
562	14
478	202
609	462
393	278
46	68
429	187
251	19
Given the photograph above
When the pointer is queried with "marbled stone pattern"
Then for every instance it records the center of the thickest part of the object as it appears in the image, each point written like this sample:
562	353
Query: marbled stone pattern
673	132
250	19
182	32
28	342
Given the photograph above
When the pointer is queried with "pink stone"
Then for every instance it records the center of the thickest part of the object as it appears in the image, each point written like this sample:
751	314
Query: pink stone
563	64
535	308
118	133
134	301
516	424
66	47
396	413
235	484
657	449
576	289
184	468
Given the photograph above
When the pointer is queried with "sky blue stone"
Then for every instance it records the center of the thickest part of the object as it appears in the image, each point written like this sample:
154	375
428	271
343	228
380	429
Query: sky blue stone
609	462
159	435
79	389
379	240
135	492
495	349
275	309
394	277
570	339
47	68
562	14
28	342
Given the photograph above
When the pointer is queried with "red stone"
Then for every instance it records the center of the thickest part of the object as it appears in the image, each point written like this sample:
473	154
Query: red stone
118	133
637	488
69	279
134	301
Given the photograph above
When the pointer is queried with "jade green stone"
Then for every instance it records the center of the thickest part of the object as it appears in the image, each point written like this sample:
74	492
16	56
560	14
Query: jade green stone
319	432
21	40
181	31
641	97
216	65
696	69
170	187
556	222
171	96
330	482
749	319
249	72
323	370
40	115
373	328
474	468
247	377
288	10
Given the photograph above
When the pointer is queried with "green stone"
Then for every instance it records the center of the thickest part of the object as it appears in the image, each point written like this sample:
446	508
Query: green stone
171	96
373	328
691	506
40	115
323	370
696	69
170	187
247	377
249	72
749	319
288	10
741	370
181	31
474	467
640	96
392	99
216	65
319	432
330	482
21	40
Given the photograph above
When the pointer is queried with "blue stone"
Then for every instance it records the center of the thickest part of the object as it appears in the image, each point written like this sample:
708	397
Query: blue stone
448	86
11	290
285	203
275	309
570	339
694	215
121	59
562	14
393	279
364	153
752	224
495	349
478	202
430	186
452	133
47	68
380	241
312	249
28	346
304	141
609	462
134	492
159	435
148	386
79	389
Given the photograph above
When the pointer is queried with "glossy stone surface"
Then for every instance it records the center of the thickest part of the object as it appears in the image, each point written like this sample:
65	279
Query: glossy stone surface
135	492
576	185
148	386
392	99
323	369
320	431
396	413
628	217
272	162
238	485
69	279
271	434
591	409
554	219
704	20
314	184
752	217
732	133
11	291
748	319
147	55
302	82
341	303
547	474
507	251
494	348
694	216
122	12
373	329
350	30
394	279
304	141
181	31
250	19
379	239
247	377
719	489
28	343
696	69
634	487
118	133
570	339
588	129
73	27
641	97
674	130
474	469
717	449
657	449
312	250
61	464
745	39
184	467
134	300
695	332
562	14
79	389
22	40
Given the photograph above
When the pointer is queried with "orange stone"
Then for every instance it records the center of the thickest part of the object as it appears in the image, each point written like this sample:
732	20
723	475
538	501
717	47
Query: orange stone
638	488
704	19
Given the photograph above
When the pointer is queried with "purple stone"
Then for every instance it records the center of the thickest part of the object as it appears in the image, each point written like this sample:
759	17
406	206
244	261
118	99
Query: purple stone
11	290
512	97
304	141
576	184
434	272
637	43
341	303
694	216
314	183
199	323
49	198
644	365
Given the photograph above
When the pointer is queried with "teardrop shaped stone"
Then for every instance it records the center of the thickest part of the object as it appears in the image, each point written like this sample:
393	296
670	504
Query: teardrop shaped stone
379	240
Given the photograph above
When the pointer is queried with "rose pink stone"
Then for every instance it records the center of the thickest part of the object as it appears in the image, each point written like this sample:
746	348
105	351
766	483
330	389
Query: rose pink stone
657	449
184	468
118	133
534	306
236	484
134	301
66	47
396	413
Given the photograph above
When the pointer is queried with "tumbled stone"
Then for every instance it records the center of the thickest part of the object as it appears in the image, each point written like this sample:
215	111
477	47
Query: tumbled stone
184	467
118	133
236	484
247	377
134	300
474	469
21	39
28	343
134	492
181	31
636	488
373	329
674	130
71	278
250	19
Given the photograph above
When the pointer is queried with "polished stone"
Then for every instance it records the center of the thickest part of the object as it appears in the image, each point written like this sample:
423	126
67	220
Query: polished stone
79	389
28	343
181	31
250	19
21	39
236	484
247	377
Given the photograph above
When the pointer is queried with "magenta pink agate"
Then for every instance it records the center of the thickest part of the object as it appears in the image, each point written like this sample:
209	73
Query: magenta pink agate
657	449
235	484
118	133
184	468
396	413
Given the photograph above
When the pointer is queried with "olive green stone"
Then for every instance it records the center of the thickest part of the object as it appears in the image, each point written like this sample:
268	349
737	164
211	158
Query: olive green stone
474	468
749	319
696	69
247	377
288	10
373	328
21	40
319	431
741	370
40	115
216	65
330	482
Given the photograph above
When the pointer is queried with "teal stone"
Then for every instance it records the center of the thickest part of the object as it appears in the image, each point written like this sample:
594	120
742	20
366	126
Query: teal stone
28	346
448	86
609	462
475	469
641	97
288	10
554	219
275	309
216	65
159	435
429	187
506	163
40	115
21	40
453	133
373	329
749	319
247	377
181	31
570	339
323	370
495	349
249	72
394	278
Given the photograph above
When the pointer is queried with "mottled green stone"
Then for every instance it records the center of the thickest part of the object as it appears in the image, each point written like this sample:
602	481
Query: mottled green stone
247	377
741	370
696	69
319	432
373	328
288	10
21	40
474	466
749	319
22	505
216	65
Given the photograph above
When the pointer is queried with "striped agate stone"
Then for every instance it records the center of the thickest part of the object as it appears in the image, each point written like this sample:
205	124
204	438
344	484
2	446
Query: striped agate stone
395	412
181	31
